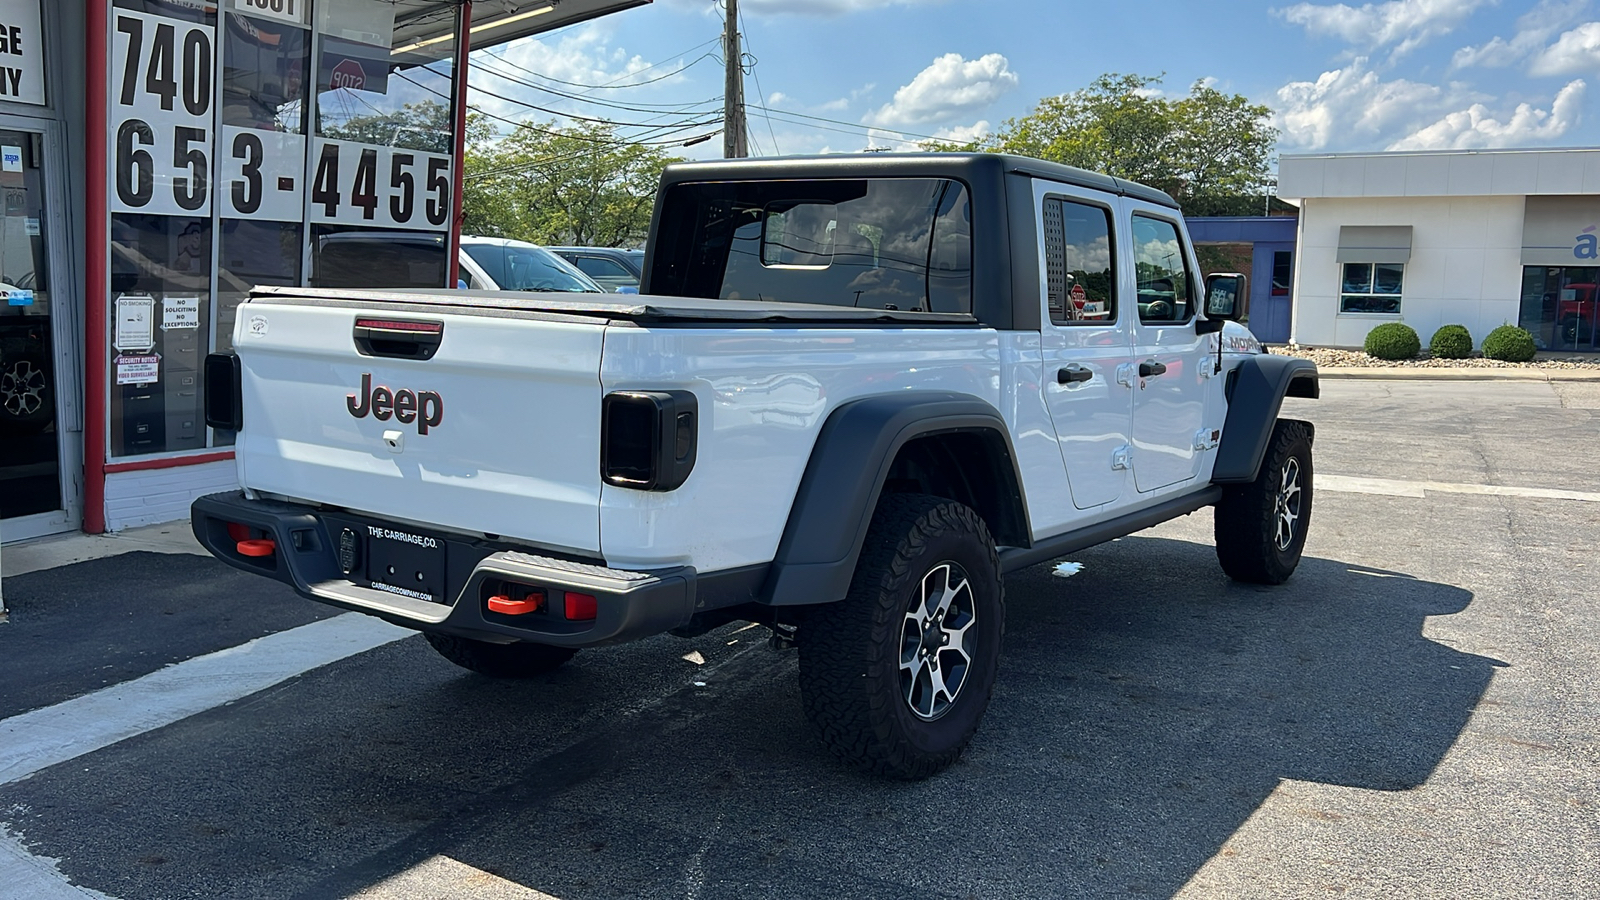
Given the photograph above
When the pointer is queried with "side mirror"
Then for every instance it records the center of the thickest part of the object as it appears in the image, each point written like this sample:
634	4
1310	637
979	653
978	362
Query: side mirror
1227	296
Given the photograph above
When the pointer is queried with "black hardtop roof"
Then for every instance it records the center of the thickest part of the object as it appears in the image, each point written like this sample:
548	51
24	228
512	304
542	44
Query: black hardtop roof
972	168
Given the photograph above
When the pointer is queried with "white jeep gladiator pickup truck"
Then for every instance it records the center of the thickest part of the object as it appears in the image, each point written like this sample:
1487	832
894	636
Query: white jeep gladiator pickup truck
854	393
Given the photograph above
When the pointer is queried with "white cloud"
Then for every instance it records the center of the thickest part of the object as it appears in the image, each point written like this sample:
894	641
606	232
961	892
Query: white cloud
1577	50
1351	107
951	87
1534	28
777	98
961	134
1475	128
1404	23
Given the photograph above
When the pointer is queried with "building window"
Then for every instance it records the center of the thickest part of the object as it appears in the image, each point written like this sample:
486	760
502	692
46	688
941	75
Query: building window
1282	272
1371	288
1561	307
214	159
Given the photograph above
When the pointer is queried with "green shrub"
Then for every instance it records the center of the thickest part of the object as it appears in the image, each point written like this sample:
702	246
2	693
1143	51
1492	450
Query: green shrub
1393	340
1510	343
1451	342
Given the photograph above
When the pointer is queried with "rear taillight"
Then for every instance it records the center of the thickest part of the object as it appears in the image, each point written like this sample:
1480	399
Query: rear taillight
648	439
582	607
224	392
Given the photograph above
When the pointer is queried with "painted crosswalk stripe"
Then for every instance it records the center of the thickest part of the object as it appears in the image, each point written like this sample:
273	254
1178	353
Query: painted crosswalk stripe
1394	487
44	737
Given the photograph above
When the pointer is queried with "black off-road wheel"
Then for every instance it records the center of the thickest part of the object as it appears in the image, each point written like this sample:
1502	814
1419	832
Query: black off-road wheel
897	676
520	660
1261	526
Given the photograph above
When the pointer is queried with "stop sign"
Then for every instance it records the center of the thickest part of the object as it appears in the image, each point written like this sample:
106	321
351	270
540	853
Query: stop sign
348	74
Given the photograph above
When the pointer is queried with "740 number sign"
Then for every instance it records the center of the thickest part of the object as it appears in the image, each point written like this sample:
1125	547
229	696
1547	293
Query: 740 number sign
161	153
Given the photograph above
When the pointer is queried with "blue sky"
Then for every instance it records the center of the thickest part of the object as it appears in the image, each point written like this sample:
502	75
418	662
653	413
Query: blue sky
1402	75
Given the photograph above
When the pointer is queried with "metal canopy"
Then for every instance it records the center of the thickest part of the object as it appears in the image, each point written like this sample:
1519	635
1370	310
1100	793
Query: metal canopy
498	21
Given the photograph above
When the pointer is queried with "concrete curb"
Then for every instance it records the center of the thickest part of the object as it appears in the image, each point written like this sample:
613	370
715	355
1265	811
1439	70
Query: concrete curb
1404	373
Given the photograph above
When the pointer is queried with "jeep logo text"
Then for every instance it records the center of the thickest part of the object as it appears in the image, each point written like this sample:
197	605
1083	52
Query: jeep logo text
426	408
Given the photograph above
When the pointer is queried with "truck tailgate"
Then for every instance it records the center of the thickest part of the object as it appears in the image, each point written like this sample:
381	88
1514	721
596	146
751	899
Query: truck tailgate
497	432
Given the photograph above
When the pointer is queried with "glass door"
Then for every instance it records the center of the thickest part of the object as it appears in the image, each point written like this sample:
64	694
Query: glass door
30	440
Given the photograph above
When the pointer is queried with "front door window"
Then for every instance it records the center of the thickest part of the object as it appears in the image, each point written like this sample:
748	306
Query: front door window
30	462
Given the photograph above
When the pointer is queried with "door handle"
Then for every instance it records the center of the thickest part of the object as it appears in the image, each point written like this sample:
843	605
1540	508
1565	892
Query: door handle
1151	369
1074	373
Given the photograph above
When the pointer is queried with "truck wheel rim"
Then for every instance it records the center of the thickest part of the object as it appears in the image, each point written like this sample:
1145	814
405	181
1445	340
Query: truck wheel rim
937	640
1289	498
22	389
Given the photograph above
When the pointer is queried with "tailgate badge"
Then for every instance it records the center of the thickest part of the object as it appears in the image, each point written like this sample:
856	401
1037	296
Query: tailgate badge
395	440
425	409
349	552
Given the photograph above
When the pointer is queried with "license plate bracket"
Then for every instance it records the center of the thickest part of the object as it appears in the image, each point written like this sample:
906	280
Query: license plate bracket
406	563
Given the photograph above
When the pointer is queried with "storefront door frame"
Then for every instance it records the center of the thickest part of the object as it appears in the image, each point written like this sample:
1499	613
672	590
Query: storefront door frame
66	334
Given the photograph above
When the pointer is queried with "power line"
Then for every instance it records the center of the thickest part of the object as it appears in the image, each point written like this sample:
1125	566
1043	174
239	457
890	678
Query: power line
638	107
761	90
558	113
853	125
614	84
635	139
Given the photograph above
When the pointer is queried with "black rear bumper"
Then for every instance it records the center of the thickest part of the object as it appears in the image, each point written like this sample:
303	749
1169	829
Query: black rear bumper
628	605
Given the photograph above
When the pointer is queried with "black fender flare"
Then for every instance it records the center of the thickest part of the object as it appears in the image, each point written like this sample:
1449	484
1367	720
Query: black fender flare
1255	391
849	463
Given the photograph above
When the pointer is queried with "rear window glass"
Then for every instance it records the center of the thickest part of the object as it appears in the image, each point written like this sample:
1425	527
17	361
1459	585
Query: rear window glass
886	243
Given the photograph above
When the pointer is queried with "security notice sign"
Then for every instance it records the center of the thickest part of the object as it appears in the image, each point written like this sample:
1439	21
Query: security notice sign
21	52
161	115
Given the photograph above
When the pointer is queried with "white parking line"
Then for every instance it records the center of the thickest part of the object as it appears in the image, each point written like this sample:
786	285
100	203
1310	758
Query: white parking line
44	737
35	877
1389	487
55	734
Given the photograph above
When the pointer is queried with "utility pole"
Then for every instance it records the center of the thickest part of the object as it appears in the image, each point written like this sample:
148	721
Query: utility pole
733	130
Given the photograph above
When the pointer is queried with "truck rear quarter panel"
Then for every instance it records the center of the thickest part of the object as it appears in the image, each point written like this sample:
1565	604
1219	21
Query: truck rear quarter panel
763	395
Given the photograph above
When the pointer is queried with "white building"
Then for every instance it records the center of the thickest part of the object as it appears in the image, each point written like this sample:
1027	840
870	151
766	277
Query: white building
1476	238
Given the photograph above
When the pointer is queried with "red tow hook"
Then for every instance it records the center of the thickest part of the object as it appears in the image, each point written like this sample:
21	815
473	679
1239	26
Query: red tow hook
507	606
257	547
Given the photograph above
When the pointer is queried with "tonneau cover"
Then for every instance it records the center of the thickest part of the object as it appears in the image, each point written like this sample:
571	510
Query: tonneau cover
636	308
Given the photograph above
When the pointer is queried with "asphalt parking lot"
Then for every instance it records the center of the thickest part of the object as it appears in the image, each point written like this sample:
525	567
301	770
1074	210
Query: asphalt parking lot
1414	715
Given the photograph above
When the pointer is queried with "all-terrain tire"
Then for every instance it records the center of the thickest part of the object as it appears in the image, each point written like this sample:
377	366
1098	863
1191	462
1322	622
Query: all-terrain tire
519	660
1261	526
926	608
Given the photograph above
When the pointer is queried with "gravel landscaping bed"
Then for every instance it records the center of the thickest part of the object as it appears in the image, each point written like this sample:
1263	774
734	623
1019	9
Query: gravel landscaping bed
1327	356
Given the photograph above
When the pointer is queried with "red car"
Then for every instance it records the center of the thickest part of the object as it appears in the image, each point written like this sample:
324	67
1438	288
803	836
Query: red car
1576	318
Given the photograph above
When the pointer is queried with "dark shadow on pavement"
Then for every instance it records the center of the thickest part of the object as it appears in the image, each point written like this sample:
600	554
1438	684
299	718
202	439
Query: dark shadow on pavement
1146	708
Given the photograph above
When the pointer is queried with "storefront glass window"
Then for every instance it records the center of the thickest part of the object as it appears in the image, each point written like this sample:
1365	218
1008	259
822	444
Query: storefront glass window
161	285
263	74
380	166
246	137
1561	307
1371	288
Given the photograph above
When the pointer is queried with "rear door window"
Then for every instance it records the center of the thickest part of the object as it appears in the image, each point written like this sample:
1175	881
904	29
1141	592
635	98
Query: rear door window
885	243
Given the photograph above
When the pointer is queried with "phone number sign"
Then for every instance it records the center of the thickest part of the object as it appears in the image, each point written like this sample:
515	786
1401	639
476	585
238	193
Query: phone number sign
161	93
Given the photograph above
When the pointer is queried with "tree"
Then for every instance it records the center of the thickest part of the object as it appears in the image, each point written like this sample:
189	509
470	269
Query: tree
424	126
561	185
1199	148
